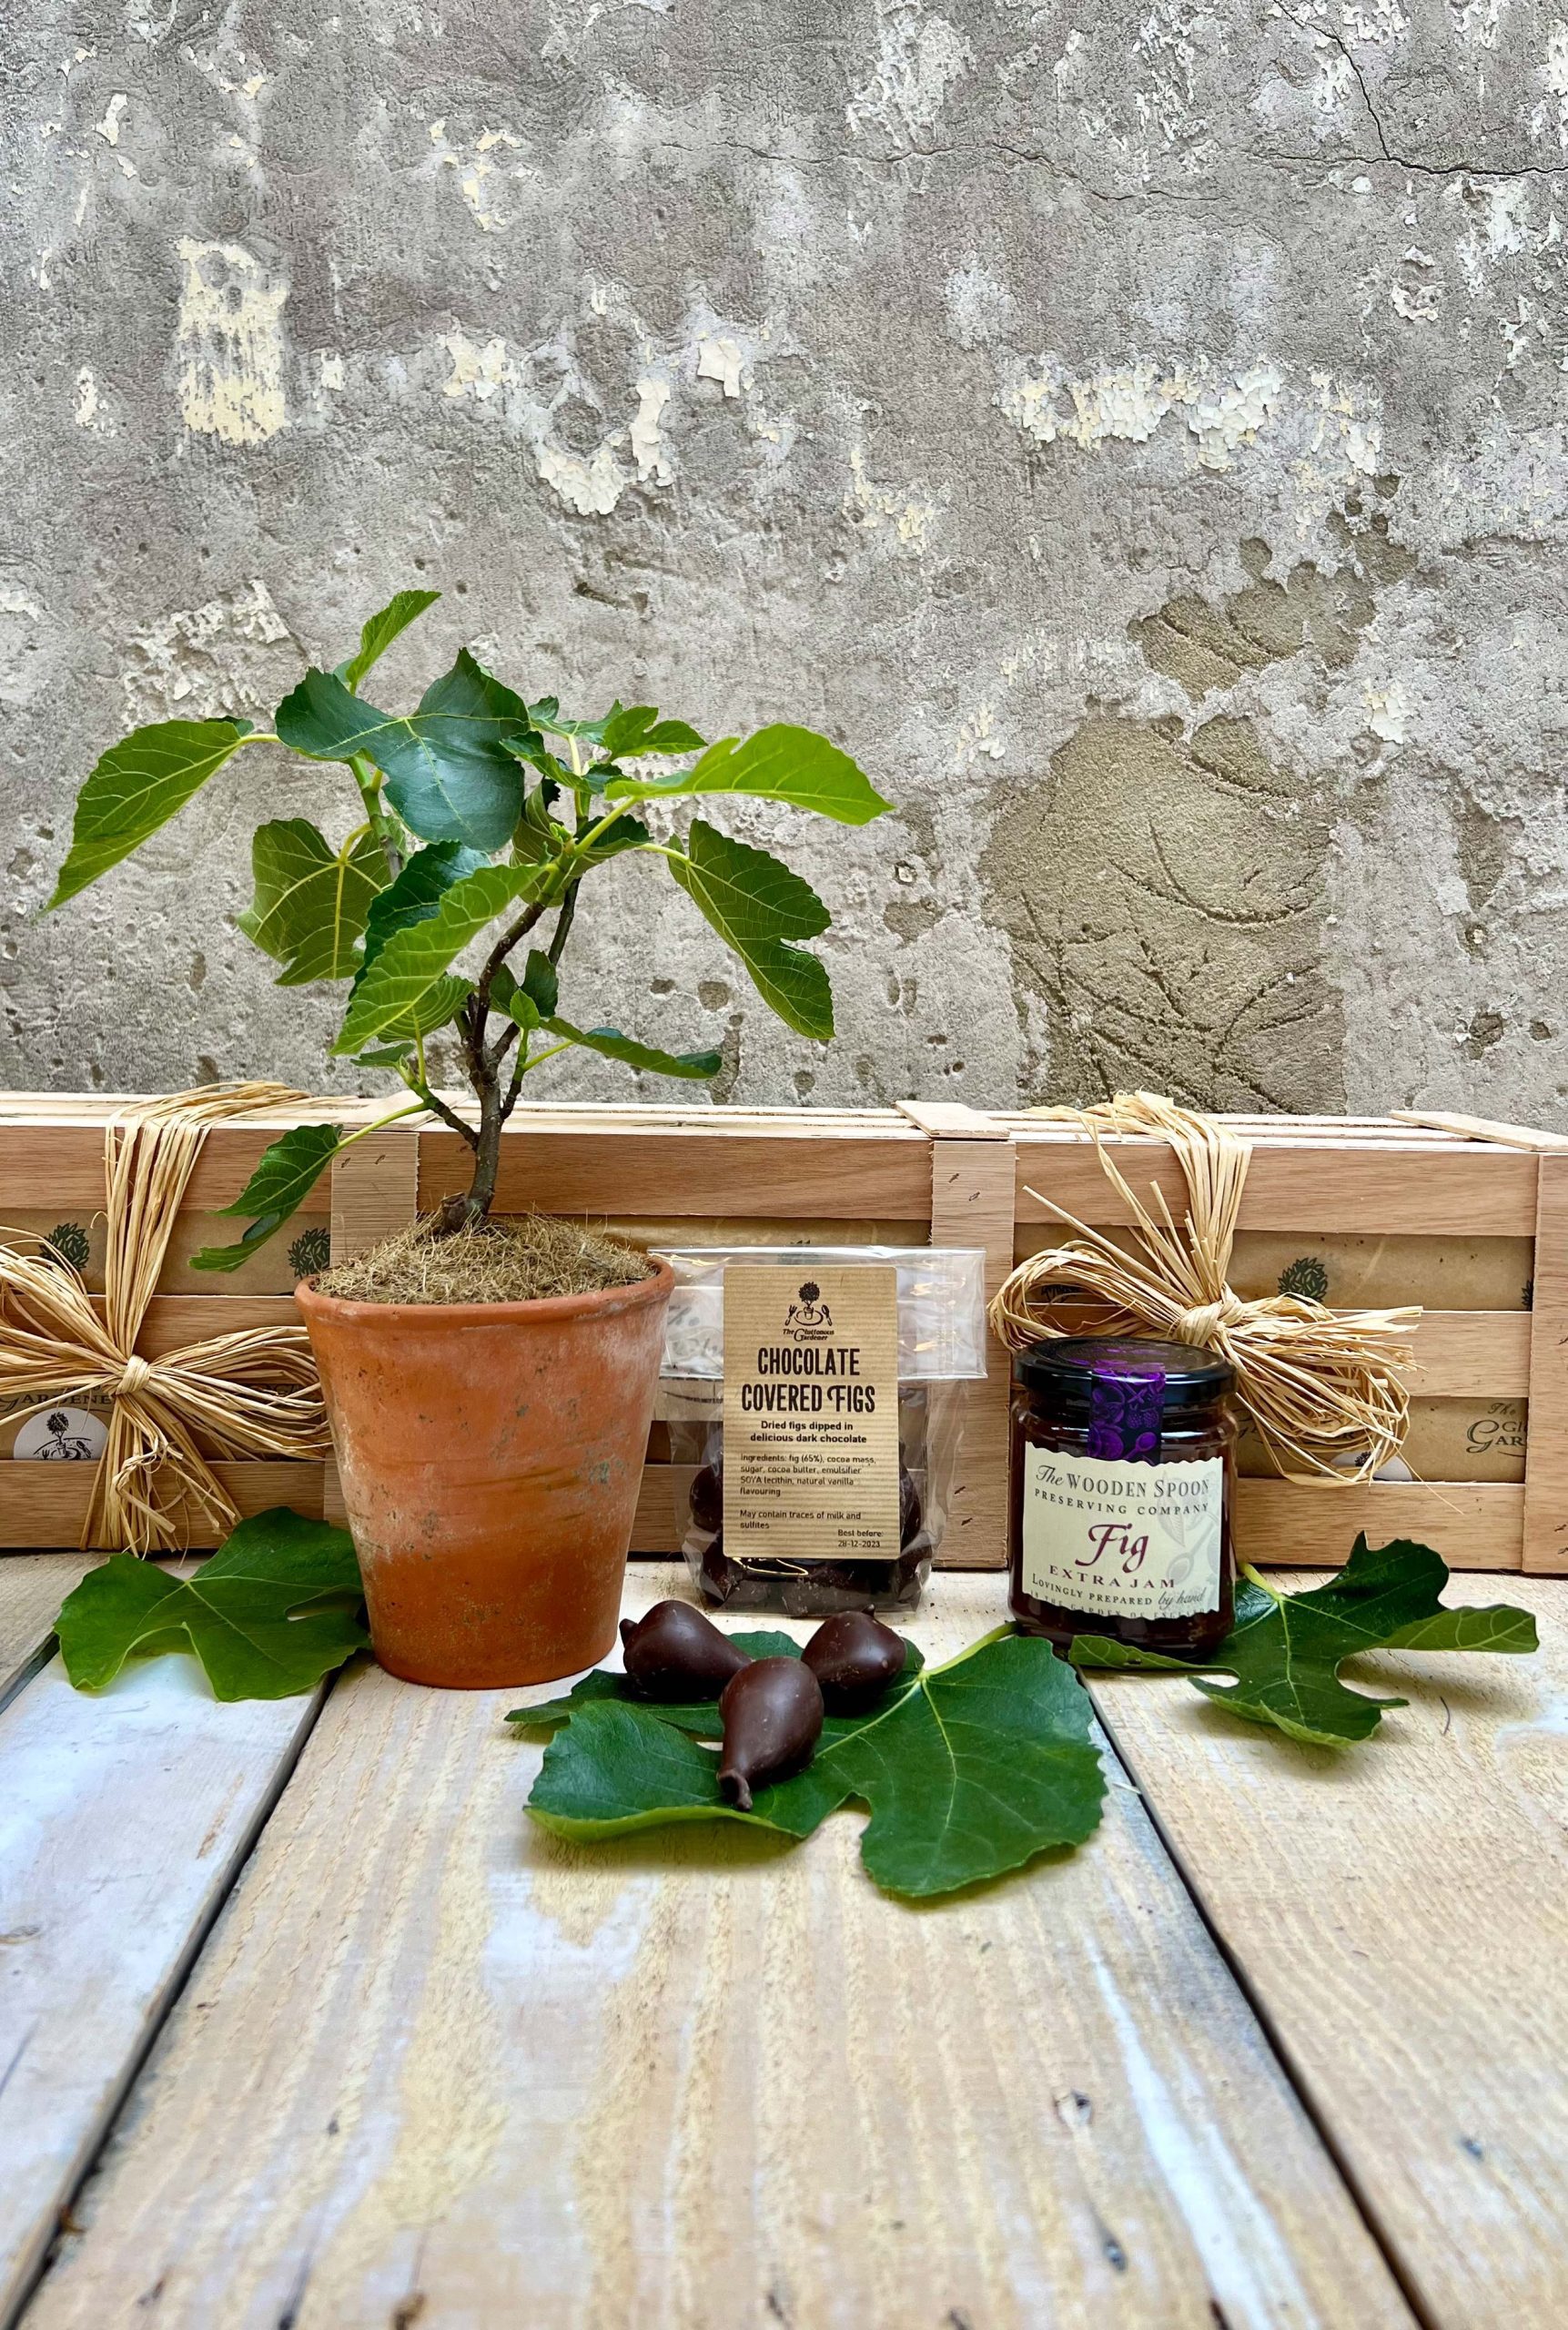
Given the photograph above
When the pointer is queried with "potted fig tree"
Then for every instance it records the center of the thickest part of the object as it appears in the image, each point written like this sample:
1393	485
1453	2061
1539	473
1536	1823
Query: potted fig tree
490	1385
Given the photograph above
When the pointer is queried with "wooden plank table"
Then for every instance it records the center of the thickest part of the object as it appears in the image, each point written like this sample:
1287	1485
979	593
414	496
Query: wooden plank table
1279	2046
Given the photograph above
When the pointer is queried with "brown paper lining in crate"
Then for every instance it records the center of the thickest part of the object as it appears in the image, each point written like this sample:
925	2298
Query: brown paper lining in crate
1356	1274
299	1247
1448	1440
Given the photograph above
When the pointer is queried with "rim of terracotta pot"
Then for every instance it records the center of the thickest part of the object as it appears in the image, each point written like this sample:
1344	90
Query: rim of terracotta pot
547	1308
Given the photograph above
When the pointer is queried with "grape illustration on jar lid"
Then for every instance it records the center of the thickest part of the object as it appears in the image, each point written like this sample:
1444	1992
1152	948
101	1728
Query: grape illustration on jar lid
1123	1467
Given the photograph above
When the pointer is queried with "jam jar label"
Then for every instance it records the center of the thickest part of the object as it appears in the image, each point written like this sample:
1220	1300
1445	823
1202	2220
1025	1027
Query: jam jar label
1134	1541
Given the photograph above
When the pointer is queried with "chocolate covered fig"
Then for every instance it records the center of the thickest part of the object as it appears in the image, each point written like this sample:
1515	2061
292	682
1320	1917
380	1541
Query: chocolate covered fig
676	1653
804	1589
773	1715
855	1657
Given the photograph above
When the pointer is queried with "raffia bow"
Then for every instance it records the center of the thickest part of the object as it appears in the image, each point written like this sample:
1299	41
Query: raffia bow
251	1393
1321	1386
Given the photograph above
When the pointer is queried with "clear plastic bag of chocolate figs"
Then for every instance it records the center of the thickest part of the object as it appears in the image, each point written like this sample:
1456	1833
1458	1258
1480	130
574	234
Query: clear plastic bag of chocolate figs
941	1350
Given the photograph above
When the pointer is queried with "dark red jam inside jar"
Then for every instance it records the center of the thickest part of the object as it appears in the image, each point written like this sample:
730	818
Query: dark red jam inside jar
1122	1479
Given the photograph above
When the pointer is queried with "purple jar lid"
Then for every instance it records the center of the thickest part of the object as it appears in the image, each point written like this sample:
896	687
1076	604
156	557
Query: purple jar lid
1125	1389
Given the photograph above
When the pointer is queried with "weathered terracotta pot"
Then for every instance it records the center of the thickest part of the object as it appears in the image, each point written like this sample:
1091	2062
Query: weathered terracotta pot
490	1455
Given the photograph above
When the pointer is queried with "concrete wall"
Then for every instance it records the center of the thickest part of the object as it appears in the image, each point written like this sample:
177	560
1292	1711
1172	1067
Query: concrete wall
1137	432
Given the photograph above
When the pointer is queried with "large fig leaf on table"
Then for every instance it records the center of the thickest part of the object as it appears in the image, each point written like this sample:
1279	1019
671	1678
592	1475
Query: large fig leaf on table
276	1608
968	1770
1285	1650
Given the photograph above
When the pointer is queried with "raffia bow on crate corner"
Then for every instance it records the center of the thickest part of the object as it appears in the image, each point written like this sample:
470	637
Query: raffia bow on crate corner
1324	1388
253	1393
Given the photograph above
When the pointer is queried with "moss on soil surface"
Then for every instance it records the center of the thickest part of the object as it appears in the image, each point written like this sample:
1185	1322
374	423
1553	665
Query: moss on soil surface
493	1261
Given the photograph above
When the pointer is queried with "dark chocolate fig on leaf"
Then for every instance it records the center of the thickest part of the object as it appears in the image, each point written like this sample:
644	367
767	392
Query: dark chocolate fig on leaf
676	1653
773	1713
855	1657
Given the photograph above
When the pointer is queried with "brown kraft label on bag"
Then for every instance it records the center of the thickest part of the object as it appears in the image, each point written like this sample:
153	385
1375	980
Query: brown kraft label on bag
811	1411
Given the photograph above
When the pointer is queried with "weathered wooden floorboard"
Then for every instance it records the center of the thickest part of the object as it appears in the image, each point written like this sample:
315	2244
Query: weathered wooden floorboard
123	1818
31	1592
436	2067
1399	1911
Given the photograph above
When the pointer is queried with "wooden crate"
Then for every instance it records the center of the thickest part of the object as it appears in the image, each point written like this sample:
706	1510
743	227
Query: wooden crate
52	1173
933	1171
1441	1179
665	1176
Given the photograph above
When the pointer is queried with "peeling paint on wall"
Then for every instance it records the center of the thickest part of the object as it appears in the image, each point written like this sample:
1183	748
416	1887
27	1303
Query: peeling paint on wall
1326	433
483	169
229	342
873	506
1127	404
216	654
532	388
920	55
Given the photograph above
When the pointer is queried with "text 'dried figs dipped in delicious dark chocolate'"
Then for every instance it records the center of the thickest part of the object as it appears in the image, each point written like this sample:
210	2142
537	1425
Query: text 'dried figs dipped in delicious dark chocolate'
773	1713
676	1653
855	1657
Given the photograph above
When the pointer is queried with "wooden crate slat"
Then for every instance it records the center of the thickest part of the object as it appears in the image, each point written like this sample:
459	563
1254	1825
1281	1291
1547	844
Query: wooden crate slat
892	2117
1486	1129
44	1506
375	1188
794	1175
952	1121
1465	1354
1546	1455
1477	1191
1473	1524
62	1164
124	1818
174	1320
972	1186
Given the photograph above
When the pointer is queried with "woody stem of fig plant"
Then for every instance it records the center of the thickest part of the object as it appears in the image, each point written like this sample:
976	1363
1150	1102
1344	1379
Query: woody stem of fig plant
484	1065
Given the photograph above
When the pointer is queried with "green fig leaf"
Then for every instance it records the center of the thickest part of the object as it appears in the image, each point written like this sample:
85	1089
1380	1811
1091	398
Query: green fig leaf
406	973
1285	1650
758	906
779	764
286	1174
387	625
276	1608
448	775
634	729
417	893
968	1769
137	787
615	1046
311	900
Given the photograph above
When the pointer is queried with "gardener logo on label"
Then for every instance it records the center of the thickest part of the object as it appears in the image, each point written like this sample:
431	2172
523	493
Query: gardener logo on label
809	1319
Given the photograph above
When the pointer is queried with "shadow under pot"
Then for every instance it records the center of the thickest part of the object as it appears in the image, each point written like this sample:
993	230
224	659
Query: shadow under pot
491	1455
1123	1473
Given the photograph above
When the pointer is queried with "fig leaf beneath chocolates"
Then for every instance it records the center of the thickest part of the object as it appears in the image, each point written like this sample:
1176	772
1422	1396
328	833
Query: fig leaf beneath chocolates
1285	1650
968	1771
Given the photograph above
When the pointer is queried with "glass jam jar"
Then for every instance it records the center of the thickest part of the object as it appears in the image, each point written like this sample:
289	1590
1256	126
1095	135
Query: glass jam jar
1123	1471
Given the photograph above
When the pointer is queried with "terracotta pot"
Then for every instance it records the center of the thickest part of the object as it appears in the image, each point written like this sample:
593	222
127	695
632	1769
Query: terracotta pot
490	1455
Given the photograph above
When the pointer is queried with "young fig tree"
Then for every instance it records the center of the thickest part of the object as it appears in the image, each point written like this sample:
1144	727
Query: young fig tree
479	819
